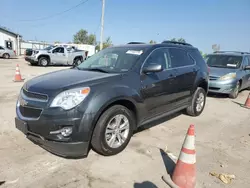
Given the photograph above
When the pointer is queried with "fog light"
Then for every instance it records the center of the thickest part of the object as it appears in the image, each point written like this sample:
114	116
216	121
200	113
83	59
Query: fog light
65	131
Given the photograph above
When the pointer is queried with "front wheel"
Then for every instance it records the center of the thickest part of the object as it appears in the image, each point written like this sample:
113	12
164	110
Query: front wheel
235	91
113	130
198	102
6	56
43	61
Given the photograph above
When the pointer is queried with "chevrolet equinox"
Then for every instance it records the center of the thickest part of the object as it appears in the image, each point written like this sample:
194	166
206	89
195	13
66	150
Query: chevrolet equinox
101	102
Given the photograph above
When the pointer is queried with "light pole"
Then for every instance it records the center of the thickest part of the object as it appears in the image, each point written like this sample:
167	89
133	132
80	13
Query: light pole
102	25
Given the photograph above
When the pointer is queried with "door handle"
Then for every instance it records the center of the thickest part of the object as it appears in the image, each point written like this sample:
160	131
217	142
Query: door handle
172	76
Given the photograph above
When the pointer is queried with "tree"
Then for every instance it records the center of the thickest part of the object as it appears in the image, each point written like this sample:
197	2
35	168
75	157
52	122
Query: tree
152	42
107	43
81	37
178	40
92	39
203	54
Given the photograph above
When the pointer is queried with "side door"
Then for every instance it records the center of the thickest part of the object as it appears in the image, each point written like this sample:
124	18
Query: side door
186	72
1	51
157	88
58	56
246	73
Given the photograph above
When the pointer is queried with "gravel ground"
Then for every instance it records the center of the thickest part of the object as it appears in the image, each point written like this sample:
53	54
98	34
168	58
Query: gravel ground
222	146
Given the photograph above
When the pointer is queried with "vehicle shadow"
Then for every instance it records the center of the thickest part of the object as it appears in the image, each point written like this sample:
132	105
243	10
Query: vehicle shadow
145	184
158	121
217	95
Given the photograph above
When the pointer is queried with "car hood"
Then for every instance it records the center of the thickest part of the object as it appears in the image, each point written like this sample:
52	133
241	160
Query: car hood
55	82
218	72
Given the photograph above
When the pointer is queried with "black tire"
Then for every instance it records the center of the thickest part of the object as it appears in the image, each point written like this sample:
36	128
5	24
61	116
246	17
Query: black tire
42	61
99	143
6	56
192	109
235	92
76	61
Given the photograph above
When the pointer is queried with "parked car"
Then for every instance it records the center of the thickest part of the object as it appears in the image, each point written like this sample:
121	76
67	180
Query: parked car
7	53
101	102
229	72
56	55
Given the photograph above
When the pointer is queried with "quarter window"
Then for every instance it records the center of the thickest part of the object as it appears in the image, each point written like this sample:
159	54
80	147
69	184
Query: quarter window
179	58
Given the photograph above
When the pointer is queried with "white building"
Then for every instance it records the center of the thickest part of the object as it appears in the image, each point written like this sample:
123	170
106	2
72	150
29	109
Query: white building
10	39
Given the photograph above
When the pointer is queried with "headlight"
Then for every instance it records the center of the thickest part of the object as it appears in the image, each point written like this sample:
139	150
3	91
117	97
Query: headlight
70	98
228	76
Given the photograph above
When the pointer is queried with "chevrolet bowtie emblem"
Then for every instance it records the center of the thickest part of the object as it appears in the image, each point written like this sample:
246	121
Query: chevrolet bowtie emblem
23	102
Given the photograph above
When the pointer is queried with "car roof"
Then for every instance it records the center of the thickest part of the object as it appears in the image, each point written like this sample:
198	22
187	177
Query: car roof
234	53
163	44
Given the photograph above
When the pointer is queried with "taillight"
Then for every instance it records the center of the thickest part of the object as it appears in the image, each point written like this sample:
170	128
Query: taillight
15	52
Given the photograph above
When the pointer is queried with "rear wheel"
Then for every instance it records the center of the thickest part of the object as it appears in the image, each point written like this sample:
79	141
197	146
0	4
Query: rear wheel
113	130
198	102
6	56
235	91
43	61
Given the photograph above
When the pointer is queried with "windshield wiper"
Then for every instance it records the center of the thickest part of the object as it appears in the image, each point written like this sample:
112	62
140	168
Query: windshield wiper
96	69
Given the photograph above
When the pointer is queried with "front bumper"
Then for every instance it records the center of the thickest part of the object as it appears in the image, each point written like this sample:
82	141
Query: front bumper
31	60
224	87
64	149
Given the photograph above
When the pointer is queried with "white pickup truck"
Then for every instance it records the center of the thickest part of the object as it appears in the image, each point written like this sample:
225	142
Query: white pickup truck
57	55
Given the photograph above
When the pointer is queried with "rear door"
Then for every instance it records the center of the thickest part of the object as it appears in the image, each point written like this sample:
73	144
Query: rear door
186	71
157	88
58	56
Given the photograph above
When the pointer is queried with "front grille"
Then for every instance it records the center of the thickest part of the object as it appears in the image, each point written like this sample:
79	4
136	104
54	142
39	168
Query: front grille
30	112
213	77
35	95
214	88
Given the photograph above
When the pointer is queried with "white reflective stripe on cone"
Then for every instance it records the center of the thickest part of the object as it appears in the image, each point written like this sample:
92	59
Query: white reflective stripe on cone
189	143
187	158
17	72
17	68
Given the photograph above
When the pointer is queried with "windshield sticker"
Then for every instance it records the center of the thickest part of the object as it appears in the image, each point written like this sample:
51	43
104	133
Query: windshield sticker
231	65
134	52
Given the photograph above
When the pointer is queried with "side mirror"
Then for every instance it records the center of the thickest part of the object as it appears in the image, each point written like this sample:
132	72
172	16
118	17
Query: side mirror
247	67
152	68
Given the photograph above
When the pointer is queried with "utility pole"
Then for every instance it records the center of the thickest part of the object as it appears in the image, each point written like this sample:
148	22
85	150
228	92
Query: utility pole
102	25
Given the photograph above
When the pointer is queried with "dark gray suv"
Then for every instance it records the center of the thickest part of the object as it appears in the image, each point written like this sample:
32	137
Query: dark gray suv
101	102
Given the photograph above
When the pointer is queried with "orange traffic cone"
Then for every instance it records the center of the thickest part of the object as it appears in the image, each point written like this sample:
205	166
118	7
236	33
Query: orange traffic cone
18	77
184	174
247	103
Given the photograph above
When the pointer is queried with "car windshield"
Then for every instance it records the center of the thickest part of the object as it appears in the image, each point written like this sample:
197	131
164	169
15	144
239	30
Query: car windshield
49	47
224	61
113	60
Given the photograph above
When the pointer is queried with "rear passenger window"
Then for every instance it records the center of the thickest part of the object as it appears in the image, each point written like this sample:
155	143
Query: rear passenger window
179	58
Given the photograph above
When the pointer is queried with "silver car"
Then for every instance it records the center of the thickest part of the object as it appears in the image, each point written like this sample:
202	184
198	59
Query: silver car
229	72
7	53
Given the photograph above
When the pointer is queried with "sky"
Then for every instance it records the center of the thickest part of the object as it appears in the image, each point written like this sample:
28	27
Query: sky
200	23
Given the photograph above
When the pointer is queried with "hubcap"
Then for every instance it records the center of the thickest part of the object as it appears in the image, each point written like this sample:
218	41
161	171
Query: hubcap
237	89
44	62
78	62
200	102
117	131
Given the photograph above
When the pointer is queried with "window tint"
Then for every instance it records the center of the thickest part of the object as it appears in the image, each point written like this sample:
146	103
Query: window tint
179	58
159	56
248	60
58	50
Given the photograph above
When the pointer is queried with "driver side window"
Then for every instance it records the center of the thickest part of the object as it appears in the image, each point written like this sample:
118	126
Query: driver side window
58	50
159	56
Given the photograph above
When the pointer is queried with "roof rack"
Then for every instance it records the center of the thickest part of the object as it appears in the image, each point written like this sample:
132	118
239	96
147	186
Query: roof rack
136	43
231	52
175	42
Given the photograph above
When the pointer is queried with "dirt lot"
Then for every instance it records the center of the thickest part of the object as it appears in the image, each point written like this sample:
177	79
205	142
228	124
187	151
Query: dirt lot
222	145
